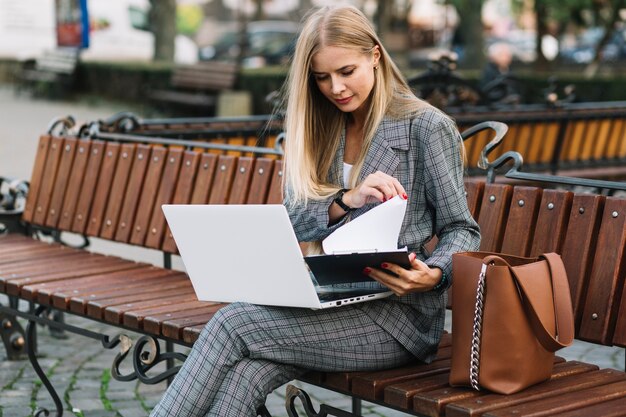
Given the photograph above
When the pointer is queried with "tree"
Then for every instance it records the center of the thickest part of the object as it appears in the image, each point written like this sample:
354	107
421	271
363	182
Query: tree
471	31
162	18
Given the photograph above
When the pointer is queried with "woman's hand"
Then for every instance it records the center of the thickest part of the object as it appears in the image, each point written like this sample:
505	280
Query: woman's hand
375	187
419	278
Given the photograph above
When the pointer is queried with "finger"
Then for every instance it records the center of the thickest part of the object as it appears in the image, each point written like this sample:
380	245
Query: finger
385	279
418	264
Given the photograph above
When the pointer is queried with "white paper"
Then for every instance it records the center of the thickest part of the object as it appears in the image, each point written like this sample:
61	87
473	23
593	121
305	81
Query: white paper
375	231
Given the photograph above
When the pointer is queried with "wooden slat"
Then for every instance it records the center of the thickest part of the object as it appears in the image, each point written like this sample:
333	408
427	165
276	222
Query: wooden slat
275	193
565	402
205	178
590	141
118	220
599	150
36	177
536	143
583	226
89	185
223	179
574	142
617	138
578	376
474	195
103	189
610	408
47	182
156	224
520	229
261	176
552	221
494	210
241	182
607	275
174	328
77	174
134	315
548	148
159	159
67	151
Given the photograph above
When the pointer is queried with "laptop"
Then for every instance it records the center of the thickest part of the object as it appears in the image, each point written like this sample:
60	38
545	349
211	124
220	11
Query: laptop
249	253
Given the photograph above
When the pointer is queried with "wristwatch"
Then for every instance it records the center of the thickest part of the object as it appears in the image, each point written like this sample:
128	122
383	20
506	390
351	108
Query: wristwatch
339	200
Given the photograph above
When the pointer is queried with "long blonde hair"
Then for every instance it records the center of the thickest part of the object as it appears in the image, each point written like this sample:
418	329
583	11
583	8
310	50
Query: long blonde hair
313	125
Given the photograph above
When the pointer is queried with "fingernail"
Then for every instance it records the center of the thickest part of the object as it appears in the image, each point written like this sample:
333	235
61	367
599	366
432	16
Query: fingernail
406	197
384	199
367	271
384	265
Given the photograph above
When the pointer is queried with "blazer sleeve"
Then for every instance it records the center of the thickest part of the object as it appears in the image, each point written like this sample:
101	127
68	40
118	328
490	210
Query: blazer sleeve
454	226
310	219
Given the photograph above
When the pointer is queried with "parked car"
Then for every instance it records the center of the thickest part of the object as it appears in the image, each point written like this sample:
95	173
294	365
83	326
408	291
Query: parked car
268	42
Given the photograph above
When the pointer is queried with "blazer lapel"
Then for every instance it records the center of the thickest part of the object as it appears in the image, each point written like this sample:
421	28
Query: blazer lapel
390	136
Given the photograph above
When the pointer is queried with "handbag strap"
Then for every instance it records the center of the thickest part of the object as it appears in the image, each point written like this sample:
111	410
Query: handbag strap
564	317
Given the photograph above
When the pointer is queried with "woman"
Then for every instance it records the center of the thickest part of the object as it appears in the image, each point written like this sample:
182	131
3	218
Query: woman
356	137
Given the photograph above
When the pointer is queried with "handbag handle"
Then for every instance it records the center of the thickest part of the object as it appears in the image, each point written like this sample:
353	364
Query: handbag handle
564	317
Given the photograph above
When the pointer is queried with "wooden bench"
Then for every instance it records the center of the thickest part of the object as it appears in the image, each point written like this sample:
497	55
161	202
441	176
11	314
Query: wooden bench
114	189
53	72
577	139
197	86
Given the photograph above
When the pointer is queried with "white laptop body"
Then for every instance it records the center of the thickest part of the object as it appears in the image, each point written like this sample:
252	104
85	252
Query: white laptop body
248	253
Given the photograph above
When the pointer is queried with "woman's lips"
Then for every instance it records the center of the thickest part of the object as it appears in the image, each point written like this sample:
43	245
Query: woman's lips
343	100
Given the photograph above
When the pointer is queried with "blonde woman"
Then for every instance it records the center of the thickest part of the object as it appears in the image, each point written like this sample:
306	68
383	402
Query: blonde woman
356	137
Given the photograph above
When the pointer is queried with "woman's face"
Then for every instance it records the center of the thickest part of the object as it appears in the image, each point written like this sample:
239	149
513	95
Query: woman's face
345	76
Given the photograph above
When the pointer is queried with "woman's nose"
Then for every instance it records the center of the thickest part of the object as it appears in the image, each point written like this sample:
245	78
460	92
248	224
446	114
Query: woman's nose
337	86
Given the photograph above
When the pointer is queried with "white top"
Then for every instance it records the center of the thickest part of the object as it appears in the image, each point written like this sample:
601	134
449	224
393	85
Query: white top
347	168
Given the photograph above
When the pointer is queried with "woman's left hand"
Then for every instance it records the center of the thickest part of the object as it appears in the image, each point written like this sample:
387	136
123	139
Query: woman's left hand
419	278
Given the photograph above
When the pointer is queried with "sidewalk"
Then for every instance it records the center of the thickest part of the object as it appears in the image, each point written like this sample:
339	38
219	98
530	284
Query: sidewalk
78	366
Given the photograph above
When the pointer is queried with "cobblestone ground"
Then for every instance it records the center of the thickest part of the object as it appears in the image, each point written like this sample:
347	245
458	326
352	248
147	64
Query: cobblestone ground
79	368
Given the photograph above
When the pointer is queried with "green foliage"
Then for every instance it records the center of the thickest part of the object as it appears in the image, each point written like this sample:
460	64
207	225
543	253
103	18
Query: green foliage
188	18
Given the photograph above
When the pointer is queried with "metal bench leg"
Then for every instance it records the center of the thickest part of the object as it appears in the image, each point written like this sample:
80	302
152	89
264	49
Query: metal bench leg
32	357
294	393
12	334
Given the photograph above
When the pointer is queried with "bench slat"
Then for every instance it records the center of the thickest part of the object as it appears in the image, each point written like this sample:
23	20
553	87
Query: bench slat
599	150
551	221
118	224
36	177
77	174
241	181
115	198
617	138
610	408
260	184
494	210
275	193
134	317
224	176
548	146
183	188
67	153
156	222
103	189
47	181
576	376
89	185
59	296
173	329
607	275
519	232
574	140
565	402
583	226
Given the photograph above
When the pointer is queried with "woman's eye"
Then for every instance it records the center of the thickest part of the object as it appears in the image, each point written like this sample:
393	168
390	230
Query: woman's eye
347	73
321	77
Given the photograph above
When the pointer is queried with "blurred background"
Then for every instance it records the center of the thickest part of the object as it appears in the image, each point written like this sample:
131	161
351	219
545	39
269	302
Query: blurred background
129	48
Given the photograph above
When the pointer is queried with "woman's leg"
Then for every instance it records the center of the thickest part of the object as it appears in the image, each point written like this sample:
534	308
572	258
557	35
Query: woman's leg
247	384
341	339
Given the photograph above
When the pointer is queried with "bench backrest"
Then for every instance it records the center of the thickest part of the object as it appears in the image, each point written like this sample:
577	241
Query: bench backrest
211	76
552	139
115	190
588	230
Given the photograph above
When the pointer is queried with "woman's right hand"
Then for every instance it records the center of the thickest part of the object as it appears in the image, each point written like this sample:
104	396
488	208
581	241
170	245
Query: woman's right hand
375	187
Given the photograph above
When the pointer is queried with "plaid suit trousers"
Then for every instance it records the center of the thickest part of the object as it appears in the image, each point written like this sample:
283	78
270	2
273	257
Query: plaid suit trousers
246	351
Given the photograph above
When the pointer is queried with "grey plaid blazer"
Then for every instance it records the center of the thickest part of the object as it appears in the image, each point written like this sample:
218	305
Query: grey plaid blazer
424	154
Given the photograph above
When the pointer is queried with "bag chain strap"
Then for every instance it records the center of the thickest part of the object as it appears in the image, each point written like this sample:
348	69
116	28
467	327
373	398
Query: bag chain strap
476	332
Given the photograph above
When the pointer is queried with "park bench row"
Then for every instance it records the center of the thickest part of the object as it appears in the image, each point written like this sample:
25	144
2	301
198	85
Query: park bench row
114	189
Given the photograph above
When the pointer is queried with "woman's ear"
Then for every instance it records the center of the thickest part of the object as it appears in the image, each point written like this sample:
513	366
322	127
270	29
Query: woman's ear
376	55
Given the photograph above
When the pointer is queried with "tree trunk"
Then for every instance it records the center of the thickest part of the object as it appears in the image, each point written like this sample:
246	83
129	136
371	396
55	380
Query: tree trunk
163	26
541	15
471	31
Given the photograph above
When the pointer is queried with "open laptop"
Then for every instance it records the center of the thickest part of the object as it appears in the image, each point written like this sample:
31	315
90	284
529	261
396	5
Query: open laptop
249	253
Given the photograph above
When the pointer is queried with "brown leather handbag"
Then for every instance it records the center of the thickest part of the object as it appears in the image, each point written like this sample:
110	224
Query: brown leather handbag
509	316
